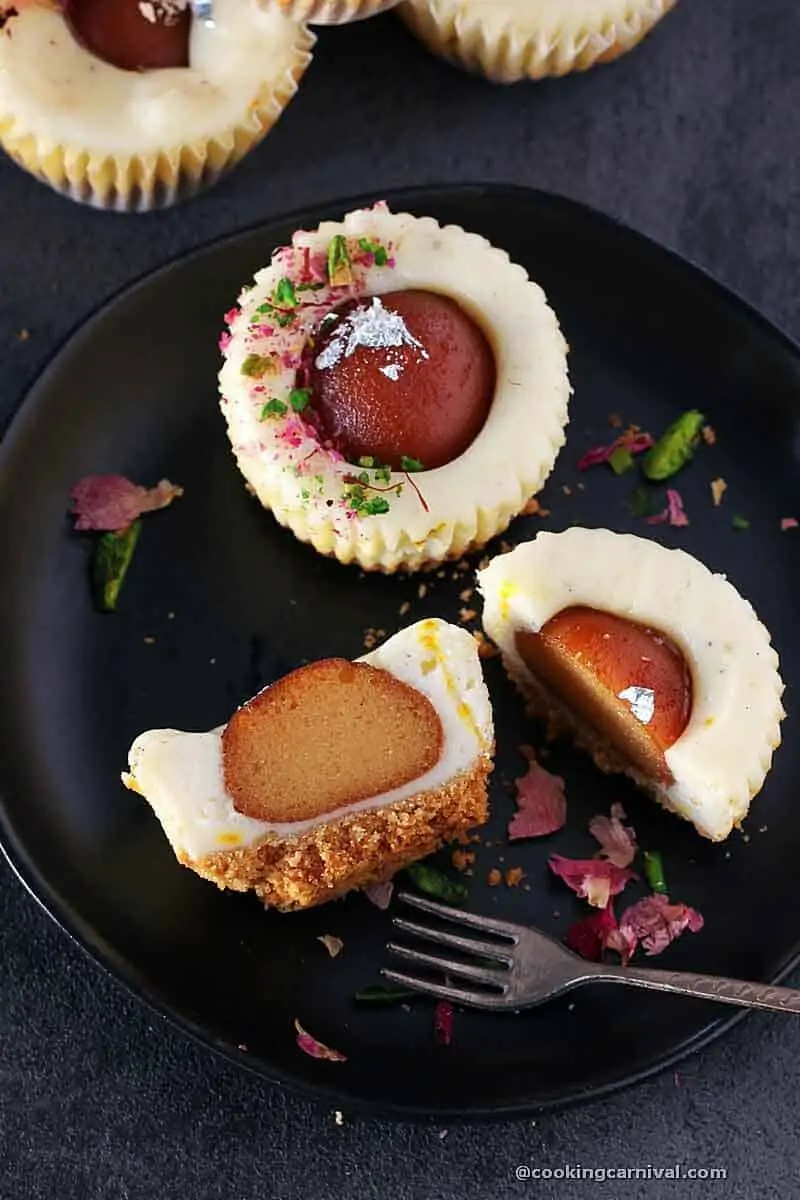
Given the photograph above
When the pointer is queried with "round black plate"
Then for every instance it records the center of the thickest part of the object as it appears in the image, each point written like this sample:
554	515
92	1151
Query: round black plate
231	601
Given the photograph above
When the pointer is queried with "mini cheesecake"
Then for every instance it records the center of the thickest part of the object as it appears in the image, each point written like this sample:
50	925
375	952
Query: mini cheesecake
333	777
654	665
135	104
395	391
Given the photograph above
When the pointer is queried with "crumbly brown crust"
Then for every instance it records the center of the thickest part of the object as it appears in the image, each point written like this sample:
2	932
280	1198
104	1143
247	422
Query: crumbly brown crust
367	847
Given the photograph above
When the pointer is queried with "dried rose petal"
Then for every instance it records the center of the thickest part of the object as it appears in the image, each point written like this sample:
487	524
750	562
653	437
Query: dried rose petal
634	443
590	936
655	922
618	841
674	513
443	1022
380	894
623	943
788	523
108	503
309	1045
593	879
541	804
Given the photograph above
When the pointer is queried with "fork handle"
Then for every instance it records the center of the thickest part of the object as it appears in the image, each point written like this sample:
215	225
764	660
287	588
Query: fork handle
706	987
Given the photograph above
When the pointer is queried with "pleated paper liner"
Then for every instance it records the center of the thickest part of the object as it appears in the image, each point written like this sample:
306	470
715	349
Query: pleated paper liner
532	39
333	12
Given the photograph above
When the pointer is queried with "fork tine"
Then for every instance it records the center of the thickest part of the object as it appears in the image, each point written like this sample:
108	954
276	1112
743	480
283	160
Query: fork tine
444	991
496	950
488	924
451	966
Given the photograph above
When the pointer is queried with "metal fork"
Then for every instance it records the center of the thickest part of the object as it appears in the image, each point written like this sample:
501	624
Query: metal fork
519	967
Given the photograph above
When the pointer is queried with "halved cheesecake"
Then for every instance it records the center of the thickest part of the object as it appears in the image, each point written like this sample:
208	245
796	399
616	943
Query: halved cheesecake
333	777
654	665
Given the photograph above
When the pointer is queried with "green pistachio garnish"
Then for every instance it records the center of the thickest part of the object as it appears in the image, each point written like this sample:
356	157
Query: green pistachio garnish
340	271
675	446
110	560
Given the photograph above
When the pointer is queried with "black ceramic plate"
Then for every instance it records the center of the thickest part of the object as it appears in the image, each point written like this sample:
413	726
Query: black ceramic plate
232	601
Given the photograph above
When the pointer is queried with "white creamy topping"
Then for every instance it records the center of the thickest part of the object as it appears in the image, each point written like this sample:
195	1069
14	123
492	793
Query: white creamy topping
567	20
721	759
181	774
54	88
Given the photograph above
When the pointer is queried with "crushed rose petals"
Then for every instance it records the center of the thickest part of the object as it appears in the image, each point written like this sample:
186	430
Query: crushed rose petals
632	440
309	1045
443	1022
380	894
618	841
589	937
718	489
674	513
108	503
541	804
788	523
593	879
513	877
655	922
534	509
334	945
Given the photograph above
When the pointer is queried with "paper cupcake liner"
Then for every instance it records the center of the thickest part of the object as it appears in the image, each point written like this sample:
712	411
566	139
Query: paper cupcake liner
334	12
145	182
507	54
427	516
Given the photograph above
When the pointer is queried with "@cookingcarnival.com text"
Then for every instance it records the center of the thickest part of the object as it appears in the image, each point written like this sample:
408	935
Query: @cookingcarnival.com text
609	1174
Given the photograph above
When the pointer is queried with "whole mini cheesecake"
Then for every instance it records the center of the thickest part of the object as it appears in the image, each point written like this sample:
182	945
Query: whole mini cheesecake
656	666
134	104
395	391
509	40
333	777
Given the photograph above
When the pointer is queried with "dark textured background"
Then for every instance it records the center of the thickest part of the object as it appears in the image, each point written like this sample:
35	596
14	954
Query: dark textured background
692	139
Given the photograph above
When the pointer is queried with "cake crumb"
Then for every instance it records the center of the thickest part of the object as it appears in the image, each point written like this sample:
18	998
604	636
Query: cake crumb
466	594
709	435
338	1117
763	828
422	591
466	614
494	877
213	662
615	420
149	641
486	649
484	562
718	489
514	876
170	616
24	335
441	574
534	509
566	489
404	608
461	859
468	839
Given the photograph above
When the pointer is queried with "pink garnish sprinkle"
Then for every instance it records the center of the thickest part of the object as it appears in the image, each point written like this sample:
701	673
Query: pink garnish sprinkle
230	316
623	943
380	894
674	513
655	922
788	523
593	879
107	503
618	841
541	804
443	1022
600	454
225	340
309	1045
